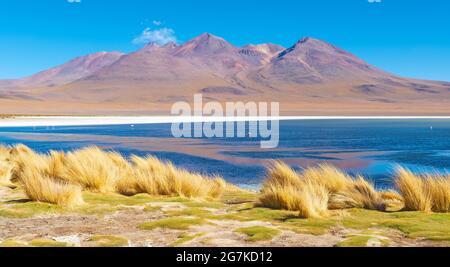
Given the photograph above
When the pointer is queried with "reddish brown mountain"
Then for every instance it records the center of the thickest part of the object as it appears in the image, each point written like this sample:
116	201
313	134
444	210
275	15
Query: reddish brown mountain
75	69
311	77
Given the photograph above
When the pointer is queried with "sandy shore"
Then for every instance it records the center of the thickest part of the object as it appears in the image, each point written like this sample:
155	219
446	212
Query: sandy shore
30	121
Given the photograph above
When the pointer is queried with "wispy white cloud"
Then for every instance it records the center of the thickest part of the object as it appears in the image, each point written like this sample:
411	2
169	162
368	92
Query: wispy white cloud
374	1
157	23
159	36
74	1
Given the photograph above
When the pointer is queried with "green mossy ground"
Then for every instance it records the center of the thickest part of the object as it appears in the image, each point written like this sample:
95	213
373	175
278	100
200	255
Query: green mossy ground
12	244
259	233
47	243
176	223
238	207
109	241
184	238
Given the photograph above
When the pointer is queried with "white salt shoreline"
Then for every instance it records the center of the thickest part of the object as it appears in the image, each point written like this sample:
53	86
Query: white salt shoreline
31	121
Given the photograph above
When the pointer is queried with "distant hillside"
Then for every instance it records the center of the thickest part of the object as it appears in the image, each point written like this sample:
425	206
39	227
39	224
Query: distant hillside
310	78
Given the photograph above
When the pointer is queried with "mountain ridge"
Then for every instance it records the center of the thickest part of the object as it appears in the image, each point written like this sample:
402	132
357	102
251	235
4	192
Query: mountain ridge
311	73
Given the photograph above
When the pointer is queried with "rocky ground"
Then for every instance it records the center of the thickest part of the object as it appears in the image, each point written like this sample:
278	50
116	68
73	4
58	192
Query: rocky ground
234	221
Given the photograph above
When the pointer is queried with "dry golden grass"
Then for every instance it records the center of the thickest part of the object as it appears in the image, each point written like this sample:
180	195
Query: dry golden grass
56	167
310	200
4	153
424	193
42	188
5	173
412	188
316	190
152	176
439	189
282	175
24	158
332	178
91	168
120	162
311	192
217	186
280	189
99	171
359	194
5	167
285	189
36	173
345	191
392	196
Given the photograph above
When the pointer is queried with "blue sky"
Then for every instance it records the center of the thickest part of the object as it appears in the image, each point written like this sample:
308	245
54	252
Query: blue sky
406	37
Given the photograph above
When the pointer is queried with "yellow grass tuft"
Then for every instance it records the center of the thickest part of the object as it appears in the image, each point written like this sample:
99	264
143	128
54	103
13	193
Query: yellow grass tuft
424	193
332	178
23	158
391	196
91	168
412	188
5	173
286	189
5	167
439	190
59	177
282	175
4	153
19	149
152	176
56	167
359	194
37	174
316	190
99	171
42	188
217	187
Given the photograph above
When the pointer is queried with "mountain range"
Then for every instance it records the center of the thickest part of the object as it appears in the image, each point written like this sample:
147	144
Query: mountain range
312	77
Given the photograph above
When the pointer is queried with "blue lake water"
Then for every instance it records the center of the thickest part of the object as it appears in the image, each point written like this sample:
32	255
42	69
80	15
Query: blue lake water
369	147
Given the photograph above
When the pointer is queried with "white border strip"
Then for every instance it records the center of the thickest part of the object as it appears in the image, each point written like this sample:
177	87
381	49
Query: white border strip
136	120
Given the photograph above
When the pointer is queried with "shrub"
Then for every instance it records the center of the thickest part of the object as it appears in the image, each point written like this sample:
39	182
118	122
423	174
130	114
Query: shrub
285	189
360	194
391	196
152	176
5	173
39	187
22	157
412	189
6	167
424	193
332	178
4	153
91	168
439	190
316	190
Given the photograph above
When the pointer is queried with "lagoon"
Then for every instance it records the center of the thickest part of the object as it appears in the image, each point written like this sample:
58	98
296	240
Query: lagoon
371	148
